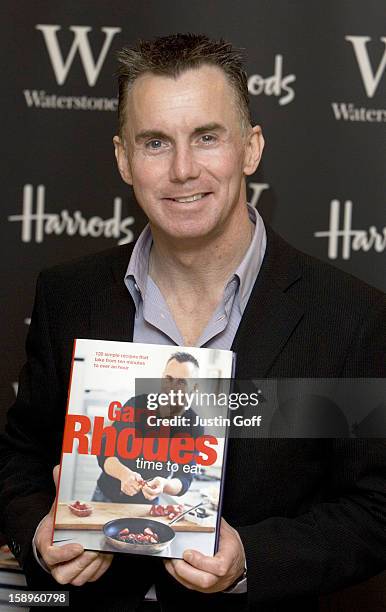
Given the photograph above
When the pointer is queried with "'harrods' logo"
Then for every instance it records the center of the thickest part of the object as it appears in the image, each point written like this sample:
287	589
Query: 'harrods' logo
348	238
35	225
276	84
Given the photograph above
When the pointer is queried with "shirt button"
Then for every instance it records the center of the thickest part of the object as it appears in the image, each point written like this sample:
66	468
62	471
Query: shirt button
136	286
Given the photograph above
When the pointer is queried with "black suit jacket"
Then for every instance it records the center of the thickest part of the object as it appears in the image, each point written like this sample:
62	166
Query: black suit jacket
311	513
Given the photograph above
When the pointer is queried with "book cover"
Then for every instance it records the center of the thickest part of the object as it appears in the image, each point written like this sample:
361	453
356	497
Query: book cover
144	445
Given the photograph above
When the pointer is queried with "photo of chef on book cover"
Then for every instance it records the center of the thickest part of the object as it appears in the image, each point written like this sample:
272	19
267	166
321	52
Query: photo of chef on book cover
142	466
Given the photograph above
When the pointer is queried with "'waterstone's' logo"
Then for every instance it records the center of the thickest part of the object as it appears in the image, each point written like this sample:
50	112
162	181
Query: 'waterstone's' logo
346	237
35	225
371	76
61	66
275	85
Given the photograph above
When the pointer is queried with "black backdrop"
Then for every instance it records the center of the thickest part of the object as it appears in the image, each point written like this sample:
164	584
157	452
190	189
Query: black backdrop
317	77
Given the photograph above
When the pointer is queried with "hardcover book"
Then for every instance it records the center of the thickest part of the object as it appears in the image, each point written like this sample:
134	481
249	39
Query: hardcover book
144	446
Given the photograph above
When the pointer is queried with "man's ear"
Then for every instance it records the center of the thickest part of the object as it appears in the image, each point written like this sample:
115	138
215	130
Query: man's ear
122	161
253	150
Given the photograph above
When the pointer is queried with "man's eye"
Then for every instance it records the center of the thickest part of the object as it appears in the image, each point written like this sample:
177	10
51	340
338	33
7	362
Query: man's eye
154	144
208	138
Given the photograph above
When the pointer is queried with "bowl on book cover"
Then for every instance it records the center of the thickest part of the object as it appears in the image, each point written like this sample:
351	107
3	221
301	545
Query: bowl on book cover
80	509
138	535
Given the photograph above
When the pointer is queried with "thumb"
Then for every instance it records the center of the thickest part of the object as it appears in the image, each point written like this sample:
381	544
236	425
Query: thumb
55	474
195	558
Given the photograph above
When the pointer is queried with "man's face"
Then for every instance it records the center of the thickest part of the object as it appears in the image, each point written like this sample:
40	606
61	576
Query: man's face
185	153
177	377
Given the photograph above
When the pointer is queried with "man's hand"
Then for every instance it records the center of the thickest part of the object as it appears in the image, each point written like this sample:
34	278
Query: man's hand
131	482
154	487
211	574
70	563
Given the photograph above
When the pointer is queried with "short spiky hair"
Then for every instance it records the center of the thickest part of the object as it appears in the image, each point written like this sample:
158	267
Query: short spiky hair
182	357
171	55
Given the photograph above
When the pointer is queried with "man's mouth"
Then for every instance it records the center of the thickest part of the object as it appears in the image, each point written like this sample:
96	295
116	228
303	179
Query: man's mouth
191	198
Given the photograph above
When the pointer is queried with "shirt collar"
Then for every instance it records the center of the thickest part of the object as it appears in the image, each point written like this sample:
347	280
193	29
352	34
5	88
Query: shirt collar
137	270
250	265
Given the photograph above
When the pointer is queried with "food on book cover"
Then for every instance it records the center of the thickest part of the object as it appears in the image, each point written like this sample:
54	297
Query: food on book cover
142	466
148	536
80	509
171	510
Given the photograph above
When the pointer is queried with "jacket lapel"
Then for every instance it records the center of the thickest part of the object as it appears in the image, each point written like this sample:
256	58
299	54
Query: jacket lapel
112	310
271	315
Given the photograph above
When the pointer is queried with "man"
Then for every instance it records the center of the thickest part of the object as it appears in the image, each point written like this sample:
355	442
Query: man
120	480
306	516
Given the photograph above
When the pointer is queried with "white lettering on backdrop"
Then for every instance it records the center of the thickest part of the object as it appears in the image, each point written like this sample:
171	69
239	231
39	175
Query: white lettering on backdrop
35	225
352	240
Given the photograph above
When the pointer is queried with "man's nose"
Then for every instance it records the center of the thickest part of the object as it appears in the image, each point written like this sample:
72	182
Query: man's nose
184	165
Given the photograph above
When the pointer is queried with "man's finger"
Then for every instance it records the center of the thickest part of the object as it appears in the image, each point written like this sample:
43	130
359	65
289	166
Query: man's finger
219	565
151	493
193	576
53	555
44	533
106	562
85	575
64	573
170	569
